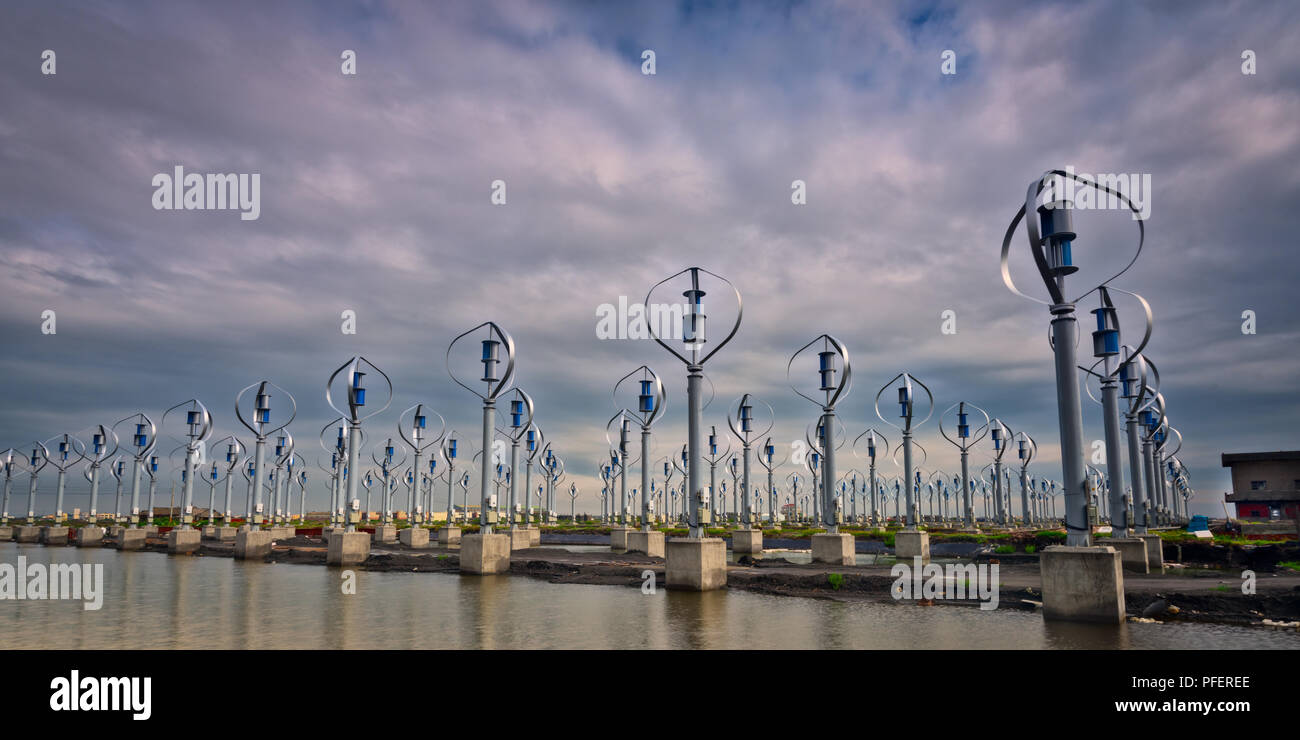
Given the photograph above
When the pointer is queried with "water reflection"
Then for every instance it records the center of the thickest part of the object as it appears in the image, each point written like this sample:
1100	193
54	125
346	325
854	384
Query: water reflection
157	601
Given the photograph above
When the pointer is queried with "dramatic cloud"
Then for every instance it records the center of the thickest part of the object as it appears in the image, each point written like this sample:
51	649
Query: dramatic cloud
375	197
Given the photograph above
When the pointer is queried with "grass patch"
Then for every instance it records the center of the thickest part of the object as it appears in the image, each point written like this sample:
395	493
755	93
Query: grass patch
836	580
1004	549
1289	564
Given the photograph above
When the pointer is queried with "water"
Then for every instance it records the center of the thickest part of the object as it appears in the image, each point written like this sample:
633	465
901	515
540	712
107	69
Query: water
153	600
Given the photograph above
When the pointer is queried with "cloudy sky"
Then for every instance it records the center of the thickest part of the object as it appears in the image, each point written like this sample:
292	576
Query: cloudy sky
376	196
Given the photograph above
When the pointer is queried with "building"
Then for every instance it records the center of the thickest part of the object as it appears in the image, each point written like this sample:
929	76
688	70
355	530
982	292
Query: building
1265	485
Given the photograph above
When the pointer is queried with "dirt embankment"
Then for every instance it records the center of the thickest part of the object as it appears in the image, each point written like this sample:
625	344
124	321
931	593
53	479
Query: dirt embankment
1180	594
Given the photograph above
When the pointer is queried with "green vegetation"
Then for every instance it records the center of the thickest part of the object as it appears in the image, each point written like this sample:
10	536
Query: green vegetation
1289	564
1031	549
1004	549
836	580
1181	536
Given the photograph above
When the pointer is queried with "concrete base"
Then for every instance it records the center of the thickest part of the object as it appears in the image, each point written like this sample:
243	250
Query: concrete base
115	531
1155	552
695	564
130	539
385	533
89	536
6	533
534	537
347	548
836	549
449	536
225	534
520	539
1082	584
747	540
253	544
618	538
909	545
182	541
1132	553
485	553
650	543
26	533
209	532
416	538
54	535
150	530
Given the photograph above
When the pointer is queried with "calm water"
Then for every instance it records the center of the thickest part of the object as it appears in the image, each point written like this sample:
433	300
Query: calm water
152	600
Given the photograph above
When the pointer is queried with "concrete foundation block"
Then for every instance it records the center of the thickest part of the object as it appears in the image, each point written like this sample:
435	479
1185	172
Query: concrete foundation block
182	541
618	538
534	537
385	533
909	545
54	535
416	538
283	533
209	532
1132	553
519	539
27	533
225	534
485	553
747	540
836	549
695	564
253	544
650	543
115	531
347	548
6	533
1082	584
89	536
130	539
1155	552
449	536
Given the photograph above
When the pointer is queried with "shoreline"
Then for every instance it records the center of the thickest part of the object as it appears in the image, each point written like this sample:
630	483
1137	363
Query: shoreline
1182	594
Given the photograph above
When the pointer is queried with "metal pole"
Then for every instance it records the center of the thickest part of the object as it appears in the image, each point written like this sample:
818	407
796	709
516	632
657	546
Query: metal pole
1024	497
31	500
910	520
4	513
484	471
694	491
451	493
514	466
968	497
135	492
645	479
1064	333
352	471
188	491
259	476
528	486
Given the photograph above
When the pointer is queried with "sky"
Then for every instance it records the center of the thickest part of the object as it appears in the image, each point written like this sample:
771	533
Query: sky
377	197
